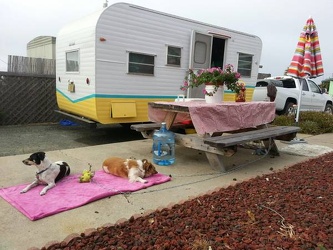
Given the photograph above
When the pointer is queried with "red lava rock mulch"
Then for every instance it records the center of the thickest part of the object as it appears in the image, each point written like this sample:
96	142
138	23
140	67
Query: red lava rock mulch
290	209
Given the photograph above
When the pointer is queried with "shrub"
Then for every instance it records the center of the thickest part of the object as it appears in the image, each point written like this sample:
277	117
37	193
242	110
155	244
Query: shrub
284	120
324	120
309	127
310	122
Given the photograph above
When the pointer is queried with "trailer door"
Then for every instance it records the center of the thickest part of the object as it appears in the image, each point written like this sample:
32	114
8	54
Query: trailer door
200	58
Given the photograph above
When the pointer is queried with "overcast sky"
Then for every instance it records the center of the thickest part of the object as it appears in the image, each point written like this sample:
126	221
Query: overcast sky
277	22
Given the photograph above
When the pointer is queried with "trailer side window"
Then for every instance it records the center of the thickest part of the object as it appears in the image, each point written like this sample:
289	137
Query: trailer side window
141	64
72	61
245	64
173	56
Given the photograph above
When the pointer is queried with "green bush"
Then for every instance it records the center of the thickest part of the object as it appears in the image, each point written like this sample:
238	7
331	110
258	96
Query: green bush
284	120
309	127
324	120
310	122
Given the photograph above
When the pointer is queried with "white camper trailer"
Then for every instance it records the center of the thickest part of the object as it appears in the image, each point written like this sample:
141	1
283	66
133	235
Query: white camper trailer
110	64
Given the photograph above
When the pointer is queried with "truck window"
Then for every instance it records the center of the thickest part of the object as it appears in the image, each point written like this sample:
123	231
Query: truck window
72	61
289	84
245	64
314	87
173	56
305	85
141	64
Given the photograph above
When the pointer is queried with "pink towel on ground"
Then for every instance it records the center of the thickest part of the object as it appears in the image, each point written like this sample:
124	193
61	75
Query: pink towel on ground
70	193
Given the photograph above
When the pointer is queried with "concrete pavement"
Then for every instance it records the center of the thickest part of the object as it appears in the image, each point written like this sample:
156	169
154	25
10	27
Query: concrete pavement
191	176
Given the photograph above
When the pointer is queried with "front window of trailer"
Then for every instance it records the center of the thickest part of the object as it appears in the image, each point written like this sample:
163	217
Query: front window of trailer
141	63
245	64
173	56
72	61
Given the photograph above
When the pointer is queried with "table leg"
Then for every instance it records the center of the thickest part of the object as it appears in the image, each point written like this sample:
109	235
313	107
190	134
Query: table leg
271	146
216	161
169	119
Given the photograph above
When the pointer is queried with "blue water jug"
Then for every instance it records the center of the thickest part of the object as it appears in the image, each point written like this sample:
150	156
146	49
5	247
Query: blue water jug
163	146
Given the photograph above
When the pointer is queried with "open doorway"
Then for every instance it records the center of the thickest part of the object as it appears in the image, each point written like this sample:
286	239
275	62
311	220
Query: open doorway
206	51
218	49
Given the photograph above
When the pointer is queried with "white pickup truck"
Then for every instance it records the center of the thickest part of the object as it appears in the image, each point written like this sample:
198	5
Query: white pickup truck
287	94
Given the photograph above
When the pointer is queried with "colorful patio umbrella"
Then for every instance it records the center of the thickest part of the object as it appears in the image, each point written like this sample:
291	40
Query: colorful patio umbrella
306	62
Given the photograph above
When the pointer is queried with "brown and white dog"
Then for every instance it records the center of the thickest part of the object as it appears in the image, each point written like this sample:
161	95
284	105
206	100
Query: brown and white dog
134	170
48	172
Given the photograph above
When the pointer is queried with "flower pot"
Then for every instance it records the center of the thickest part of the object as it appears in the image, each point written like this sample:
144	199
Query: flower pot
212	97
241	96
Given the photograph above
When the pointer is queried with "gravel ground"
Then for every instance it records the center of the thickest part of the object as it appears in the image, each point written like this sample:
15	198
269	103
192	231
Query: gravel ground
290	209
26	139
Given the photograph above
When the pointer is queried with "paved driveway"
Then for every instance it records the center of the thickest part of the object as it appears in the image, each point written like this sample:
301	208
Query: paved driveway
26	139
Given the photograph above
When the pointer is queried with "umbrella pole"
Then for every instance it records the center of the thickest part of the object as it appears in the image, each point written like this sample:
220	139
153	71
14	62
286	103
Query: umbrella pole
299	103
297	140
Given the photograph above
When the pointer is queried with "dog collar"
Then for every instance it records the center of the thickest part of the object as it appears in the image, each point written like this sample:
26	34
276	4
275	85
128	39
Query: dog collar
38	173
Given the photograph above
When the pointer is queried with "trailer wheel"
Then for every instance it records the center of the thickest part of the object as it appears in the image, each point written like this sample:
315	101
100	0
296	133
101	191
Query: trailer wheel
289	109
329	109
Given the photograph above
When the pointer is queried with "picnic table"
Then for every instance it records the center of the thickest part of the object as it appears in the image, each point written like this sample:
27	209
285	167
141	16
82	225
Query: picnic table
219	127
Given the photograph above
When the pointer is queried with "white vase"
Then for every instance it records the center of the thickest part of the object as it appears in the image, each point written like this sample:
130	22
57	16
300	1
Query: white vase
217	97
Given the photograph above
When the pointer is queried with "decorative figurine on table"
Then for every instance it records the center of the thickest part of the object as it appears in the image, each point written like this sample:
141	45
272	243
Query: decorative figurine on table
240	90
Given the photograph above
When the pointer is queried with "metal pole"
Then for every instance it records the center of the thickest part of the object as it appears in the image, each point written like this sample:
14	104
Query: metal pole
299	102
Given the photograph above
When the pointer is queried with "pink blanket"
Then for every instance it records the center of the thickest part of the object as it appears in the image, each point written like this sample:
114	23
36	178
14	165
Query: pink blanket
69	193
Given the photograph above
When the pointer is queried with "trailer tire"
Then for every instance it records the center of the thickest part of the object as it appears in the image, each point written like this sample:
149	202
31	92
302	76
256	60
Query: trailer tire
329	109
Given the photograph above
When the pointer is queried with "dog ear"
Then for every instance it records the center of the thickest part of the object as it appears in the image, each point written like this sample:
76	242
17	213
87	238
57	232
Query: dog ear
145	164
149	168
41	155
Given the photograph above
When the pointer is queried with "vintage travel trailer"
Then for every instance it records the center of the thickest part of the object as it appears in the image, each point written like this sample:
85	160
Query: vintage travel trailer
110	64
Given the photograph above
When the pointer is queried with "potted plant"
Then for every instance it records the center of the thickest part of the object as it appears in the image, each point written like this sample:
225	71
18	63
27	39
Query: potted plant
215	77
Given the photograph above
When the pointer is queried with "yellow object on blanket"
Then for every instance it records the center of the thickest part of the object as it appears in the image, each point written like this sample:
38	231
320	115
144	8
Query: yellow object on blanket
87	175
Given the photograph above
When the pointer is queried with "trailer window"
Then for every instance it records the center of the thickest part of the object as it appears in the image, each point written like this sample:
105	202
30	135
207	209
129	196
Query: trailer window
173	56
245	64
141	64
72	61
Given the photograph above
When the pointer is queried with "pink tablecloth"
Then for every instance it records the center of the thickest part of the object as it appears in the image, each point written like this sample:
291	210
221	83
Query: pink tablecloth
223	117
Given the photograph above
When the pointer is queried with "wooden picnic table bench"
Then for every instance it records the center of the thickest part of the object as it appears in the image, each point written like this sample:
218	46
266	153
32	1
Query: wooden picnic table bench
285	133
218	133
225	145
267	135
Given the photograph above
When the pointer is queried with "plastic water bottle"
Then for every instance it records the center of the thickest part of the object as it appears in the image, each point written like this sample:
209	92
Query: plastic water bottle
163	146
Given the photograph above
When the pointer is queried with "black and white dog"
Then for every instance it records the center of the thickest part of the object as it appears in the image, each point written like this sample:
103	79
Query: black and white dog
48	173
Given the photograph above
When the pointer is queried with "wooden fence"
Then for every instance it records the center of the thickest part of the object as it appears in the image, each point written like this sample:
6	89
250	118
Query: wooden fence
30	65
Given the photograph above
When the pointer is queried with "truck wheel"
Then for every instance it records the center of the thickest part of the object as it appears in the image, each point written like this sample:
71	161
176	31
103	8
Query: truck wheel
329	109
289	109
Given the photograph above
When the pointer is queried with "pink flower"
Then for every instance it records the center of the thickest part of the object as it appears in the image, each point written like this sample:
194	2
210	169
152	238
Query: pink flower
229	67
214	76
